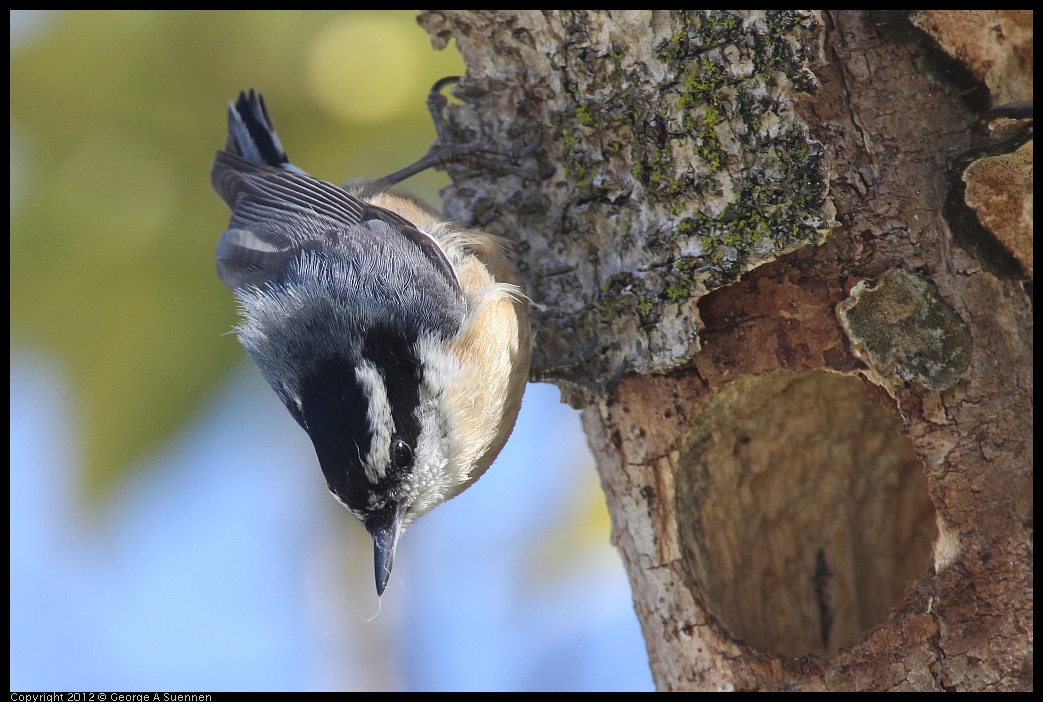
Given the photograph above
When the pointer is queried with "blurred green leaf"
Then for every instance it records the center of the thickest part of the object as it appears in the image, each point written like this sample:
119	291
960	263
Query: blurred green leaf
115	118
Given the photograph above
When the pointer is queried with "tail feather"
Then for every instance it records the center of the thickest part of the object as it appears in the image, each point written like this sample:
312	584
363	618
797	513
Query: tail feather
251	133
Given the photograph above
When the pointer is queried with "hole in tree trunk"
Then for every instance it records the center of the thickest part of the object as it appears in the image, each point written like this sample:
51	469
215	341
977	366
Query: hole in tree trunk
803	511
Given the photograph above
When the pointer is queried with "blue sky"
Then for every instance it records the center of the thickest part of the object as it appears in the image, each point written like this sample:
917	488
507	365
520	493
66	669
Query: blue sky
227	565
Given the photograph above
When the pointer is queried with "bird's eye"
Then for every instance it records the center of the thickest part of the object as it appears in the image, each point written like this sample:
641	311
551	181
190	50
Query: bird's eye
401	453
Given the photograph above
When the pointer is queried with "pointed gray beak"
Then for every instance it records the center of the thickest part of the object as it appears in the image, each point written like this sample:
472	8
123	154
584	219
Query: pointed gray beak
385	534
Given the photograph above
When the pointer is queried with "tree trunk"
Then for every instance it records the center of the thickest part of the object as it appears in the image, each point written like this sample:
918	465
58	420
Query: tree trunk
805	363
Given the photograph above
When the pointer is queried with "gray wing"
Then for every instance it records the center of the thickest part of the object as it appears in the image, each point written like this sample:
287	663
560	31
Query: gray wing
277	214
279	211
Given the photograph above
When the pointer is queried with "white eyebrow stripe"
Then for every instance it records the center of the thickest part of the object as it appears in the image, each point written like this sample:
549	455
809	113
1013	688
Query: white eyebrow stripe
378	416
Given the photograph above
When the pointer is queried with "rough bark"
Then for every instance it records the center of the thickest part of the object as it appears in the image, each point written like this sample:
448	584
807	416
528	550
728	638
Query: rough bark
806	365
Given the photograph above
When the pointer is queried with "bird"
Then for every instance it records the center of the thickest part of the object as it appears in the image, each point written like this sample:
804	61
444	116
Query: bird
397	339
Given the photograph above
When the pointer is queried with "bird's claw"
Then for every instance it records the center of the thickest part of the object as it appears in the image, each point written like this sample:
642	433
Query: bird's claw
478	156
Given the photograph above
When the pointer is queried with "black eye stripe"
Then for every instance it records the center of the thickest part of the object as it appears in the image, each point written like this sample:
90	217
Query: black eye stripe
336	413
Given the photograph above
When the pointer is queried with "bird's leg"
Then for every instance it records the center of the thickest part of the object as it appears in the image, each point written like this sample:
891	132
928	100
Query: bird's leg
477	156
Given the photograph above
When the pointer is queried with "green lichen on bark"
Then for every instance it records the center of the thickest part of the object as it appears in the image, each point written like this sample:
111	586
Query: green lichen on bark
681	164
902	328
721	156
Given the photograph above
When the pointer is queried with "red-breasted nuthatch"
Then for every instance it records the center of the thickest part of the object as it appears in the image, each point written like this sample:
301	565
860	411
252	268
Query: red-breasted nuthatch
397	339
